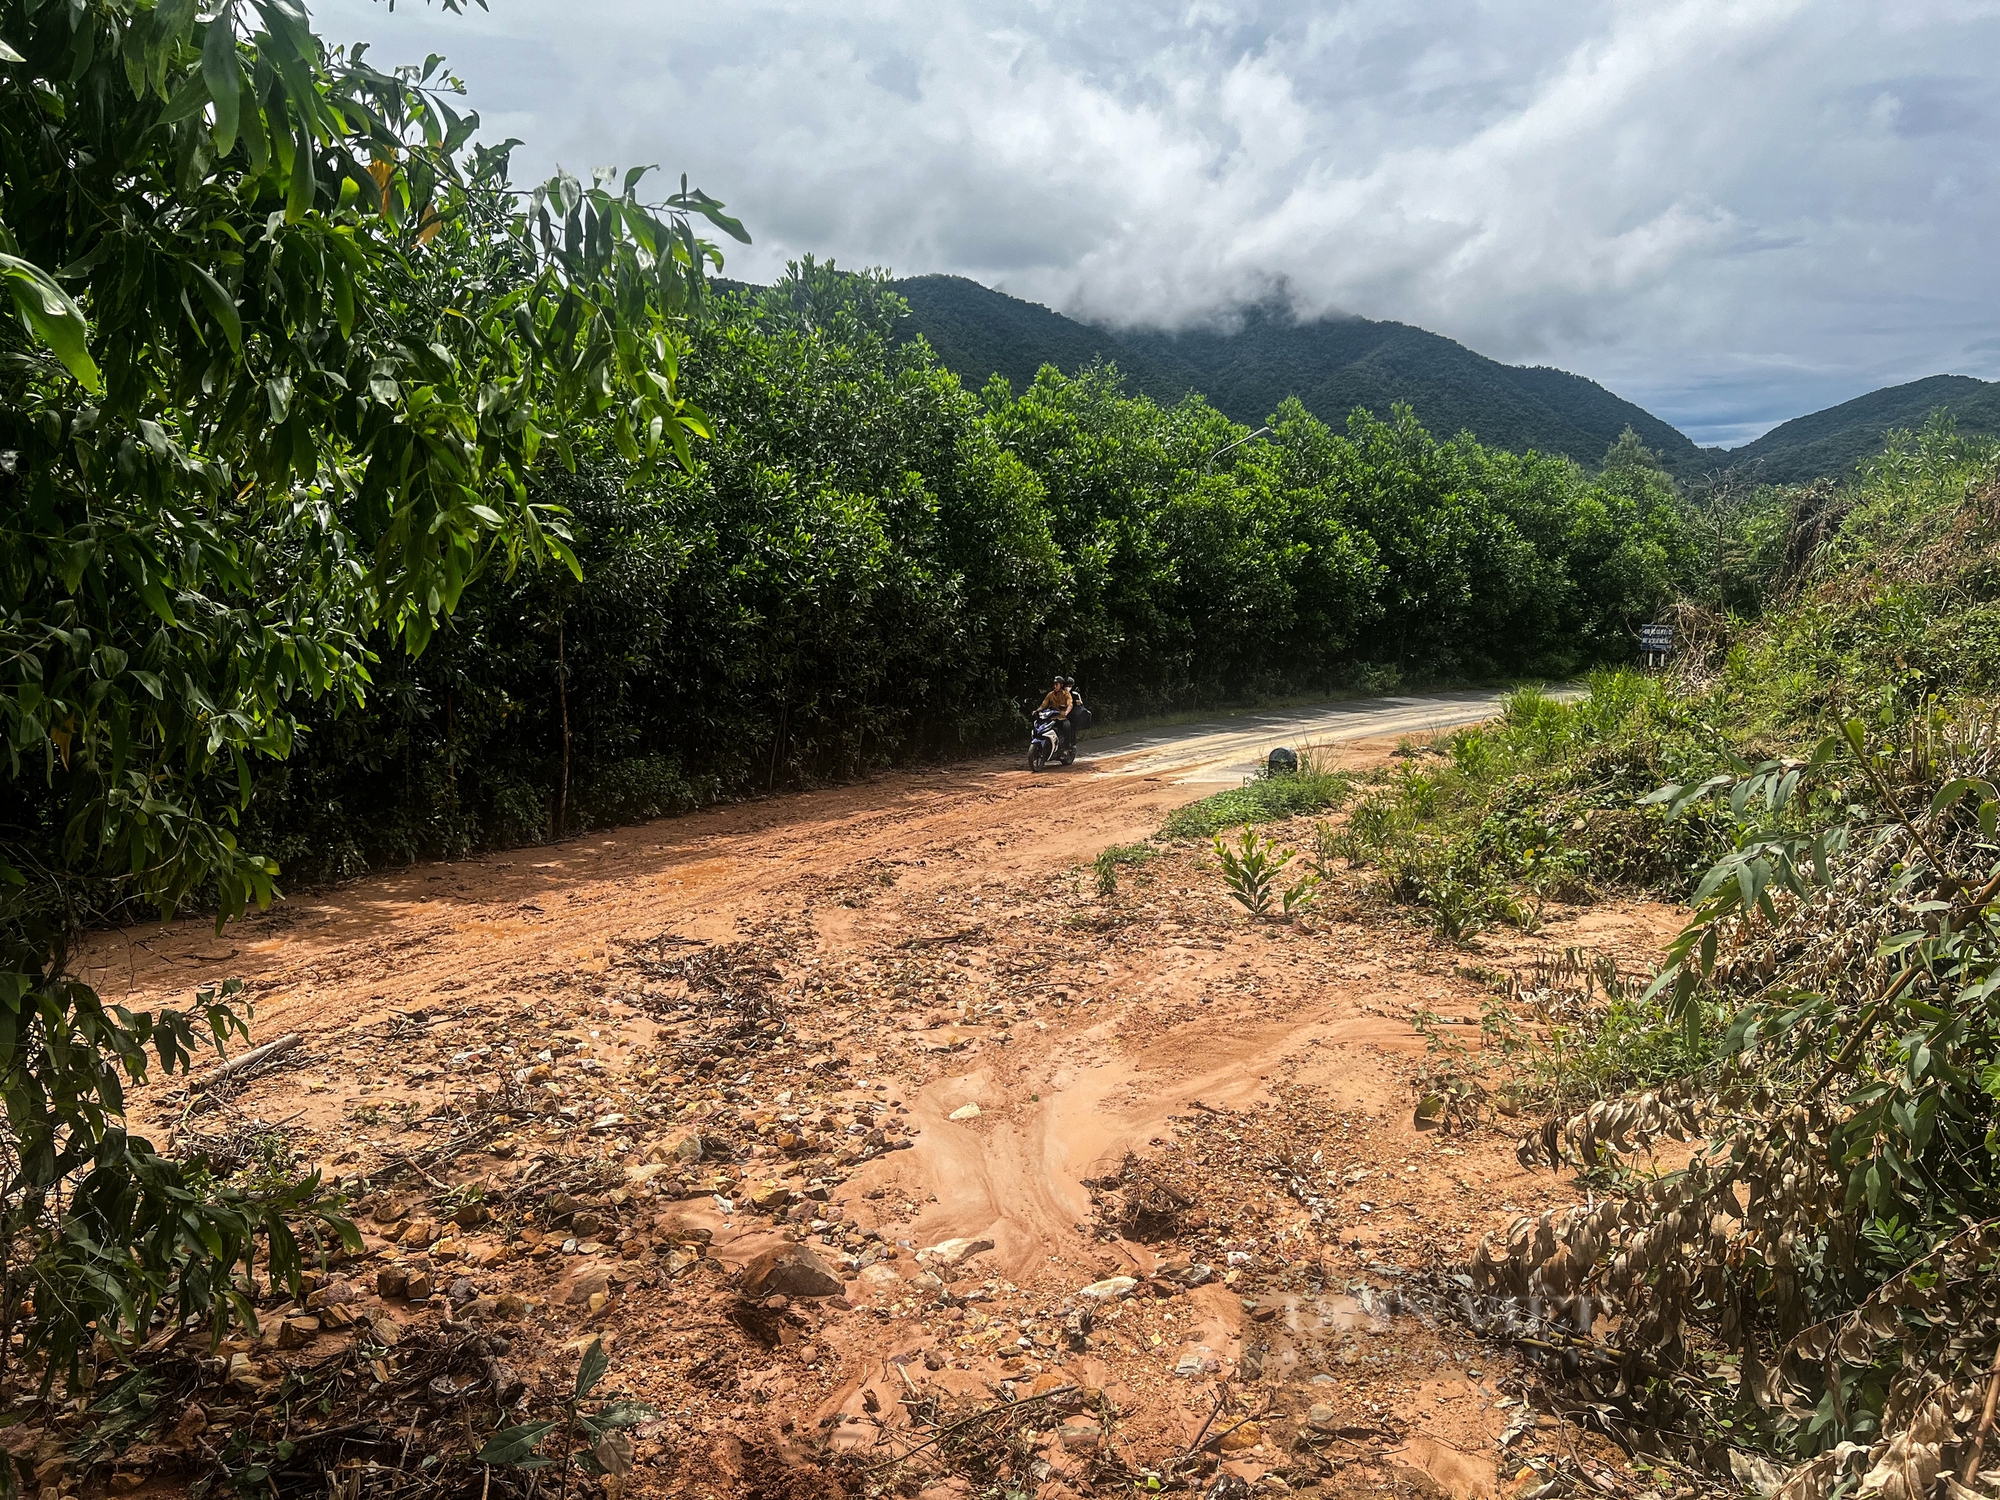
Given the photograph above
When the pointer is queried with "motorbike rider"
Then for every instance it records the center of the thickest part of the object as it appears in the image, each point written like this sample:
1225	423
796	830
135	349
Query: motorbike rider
1061	700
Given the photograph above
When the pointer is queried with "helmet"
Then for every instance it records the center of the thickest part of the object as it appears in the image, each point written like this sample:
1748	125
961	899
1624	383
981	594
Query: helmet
1067	681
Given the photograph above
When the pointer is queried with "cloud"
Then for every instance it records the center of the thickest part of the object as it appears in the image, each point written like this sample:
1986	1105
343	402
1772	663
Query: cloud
1729	210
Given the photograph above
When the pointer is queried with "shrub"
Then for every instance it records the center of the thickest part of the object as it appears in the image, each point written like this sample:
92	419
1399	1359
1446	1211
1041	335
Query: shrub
1251	871
1823	1270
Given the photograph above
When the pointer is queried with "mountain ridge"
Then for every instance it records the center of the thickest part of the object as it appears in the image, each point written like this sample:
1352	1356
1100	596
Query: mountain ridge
1334	365
1832	441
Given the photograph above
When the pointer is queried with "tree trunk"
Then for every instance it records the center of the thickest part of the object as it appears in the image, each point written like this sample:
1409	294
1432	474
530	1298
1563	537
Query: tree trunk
562	696
778	745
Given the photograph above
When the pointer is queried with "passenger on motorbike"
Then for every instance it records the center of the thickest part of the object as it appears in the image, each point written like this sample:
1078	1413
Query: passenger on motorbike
1062	700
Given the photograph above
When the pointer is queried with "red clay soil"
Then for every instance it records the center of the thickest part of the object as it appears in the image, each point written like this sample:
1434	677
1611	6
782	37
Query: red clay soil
896	1034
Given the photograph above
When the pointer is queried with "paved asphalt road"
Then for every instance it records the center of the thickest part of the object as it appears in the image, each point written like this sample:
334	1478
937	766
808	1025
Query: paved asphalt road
1226	750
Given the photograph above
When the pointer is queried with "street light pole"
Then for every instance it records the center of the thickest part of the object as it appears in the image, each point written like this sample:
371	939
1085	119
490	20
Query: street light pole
1227	446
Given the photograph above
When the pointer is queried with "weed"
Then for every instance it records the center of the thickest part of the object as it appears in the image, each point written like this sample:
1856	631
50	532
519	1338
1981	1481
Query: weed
1326	849
1450	1085
1108	862
1596	1032
1459	908
606	1447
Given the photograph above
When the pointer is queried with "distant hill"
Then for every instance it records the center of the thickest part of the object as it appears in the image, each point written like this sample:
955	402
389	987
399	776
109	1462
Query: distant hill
1332	365
1832	442
978	332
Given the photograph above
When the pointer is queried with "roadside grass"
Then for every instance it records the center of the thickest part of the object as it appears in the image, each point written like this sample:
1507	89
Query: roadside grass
1490	823
1894	609
1263	799
1856	719
1540	805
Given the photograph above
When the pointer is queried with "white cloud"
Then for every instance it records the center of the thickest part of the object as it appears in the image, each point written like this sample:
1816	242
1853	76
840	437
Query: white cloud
1729	210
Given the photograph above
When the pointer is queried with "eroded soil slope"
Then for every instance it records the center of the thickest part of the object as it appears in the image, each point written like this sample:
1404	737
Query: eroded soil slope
863	1124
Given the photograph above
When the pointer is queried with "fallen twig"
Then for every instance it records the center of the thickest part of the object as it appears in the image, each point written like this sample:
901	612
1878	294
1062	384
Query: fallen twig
1221	1395
240	1066
1971	1470
1001	1409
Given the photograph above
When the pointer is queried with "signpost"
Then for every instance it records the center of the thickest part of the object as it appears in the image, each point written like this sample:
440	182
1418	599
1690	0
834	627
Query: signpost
1656	644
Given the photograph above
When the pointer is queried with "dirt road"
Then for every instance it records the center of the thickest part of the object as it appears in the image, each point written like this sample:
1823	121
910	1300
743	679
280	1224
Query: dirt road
843	1114
1226	750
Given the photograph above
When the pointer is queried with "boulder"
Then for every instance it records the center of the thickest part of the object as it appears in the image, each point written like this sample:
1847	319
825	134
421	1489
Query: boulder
333	1294
953	1252
789	1271
1110	1289
580	1286
296	1333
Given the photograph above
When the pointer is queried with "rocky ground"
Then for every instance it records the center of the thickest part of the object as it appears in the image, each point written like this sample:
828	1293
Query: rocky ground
878	1148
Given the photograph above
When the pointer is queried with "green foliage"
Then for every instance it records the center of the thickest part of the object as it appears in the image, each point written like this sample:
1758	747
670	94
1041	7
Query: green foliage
1821	1268
868	565
1848	937
1251	871
1601	1033
1897	598
287	351
1500	819
605	1448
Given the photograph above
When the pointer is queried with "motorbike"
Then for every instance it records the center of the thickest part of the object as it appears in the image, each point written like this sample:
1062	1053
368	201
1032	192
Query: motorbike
1045	741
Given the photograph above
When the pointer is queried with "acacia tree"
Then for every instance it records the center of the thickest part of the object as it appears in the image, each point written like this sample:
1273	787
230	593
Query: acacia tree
285	348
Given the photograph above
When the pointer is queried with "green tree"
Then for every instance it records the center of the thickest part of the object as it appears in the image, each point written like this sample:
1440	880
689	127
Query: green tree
286	351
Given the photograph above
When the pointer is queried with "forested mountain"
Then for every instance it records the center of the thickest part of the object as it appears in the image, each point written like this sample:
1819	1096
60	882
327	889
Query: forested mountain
1831	442
978	333
1335	365
1332	365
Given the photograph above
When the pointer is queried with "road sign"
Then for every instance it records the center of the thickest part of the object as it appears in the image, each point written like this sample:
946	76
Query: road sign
1656	639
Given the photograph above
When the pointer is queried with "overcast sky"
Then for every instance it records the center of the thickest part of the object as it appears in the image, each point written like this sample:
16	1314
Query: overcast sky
1729	211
